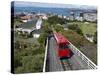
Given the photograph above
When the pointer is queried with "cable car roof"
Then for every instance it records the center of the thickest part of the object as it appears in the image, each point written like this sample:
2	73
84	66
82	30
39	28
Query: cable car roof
60	38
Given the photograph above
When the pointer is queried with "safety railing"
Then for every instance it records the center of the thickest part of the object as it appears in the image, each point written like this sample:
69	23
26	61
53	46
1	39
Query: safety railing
87	61
45	58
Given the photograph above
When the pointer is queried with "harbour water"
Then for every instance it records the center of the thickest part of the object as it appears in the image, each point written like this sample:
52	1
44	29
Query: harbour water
59	11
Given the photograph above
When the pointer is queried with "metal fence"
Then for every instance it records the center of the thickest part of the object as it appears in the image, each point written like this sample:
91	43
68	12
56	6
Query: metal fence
86	60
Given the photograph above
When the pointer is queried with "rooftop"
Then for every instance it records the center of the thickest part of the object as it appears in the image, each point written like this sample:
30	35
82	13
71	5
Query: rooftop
29	24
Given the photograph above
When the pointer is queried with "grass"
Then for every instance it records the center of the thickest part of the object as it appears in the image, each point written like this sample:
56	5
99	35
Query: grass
87	28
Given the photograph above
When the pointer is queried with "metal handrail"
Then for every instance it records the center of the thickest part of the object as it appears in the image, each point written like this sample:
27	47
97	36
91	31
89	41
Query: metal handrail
45	58
90	64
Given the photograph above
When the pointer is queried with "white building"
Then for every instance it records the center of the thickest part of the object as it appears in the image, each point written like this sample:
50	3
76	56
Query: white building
90	16
23	30
79	18
36	35
24	21
44	17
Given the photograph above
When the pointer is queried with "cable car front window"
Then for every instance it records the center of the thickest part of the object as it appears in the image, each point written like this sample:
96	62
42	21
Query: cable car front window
63	46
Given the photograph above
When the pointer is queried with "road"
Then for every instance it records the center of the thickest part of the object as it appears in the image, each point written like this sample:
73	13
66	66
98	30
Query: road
38	24
54	63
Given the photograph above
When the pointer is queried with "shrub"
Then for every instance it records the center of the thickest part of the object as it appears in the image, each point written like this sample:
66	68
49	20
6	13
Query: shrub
95	37
75	28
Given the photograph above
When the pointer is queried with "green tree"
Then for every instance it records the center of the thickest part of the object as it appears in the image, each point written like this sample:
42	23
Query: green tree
42	38
62	21
79	31
58	28
17	45
31	64
56	20
47	28
95	37
53	20
73	26
17	60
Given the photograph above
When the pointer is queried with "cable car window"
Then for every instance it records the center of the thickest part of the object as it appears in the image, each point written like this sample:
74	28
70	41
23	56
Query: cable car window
63	46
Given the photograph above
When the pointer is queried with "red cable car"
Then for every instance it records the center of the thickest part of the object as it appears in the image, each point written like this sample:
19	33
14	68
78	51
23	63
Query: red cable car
63	49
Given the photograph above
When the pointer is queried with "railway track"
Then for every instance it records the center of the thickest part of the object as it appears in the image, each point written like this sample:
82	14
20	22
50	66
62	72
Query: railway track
66	65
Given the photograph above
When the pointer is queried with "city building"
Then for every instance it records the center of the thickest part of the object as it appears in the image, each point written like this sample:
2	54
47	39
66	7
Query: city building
42	16
90	16
26	18
79	18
